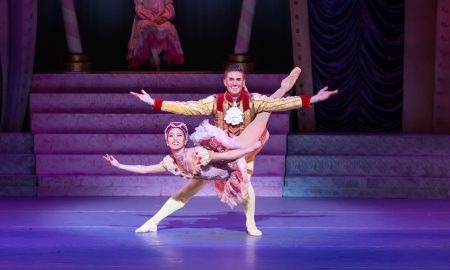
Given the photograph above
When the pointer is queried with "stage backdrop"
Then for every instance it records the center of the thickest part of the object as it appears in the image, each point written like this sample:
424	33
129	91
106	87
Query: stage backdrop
357	46
207	31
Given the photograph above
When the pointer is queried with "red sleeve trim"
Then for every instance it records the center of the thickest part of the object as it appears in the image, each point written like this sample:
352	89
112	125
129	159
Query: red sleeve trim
158	104
306	101
246	101
220	99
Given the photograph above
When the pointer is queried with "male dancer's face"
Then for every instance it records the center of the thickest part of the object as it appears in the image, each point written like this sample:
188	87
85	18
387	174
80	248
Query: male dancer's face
234	82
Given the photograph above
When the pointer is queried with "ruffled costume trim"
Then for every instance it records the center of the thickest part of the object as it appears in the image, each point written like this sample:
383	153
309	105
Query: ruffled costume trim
232	191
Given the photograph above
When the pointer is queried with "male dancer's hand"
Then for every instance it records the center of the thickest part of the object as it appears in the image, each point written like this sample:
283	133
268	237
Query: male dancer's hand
144	97
323	94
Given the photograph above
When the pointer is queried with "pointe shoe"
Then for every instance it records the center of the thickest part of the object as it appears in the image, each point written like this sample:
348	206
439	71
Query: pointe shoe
254	231
288	82
148	226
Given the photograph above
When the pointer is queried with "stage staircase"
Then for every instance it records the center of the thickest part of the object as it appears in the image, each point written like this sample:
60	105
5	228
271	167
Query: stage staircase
368	166
76	118
17	165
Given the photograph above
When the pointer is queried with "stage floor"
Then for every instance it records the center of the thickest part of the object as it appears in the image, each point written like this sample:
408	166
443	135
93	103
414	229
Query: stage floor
299	233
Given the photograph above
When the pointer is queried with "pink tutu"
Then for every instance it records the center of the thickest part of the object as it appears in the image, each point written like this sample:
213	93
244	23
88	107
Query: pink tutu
233	190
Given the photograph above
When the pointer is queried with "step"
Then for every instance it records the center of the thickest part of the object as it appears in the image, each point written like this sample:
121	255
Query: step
201	82
146	181
17	164
418	166
138	186
124	144
265	165
363	181
360	144
18	185
99	102
18	180
18	191
399	193
13	142
367	186
129	123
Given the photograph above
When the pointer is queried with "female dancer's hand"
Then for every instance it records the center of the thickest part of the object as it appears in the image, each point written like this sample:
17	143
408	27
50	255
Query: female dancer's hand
144	97
112	160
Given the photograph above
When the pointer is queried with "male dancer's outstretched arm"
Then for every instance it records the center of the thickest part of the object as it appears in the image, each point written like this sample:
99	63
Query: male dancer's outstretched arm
275	102
252	132
203	106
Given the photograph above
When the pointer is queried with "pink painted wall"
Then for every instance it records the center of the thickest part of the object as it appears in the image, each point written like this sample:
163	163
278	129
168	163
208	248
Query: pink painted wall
419	65
441	123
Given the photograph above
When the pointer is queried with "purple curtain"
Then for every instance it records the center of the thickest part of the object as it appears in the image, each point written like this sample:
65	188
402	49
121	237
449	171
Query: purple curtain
18	20
357	47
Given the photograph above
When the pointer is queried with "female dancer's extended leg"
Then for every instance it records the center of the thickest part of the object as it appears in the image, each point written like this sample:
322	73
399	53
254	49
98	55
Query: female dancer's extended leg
174	203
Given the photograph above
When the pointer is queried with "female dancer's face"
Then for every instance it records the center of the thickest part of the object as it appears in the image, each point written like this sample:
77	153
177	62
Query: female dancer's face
176	139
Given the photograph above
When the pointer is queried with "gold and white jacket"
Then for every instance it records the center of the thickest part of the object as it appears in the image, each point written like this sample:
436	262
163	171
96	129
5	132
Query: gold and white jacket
218	104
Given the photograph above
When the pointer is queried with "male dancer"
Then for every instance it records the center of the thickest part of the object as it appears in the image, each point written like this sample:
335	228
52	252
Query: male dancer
233	111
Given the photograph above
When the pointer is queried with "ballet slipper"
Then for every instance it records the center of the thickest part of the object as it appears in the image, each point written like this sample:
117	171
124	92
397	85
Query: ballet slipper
288	82
253	231
148	226
168	208
249	209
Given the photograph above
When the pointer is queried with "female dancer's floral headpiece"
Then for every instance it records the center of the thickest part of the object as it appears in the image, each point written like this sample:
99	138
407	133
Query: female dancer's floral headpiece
179	125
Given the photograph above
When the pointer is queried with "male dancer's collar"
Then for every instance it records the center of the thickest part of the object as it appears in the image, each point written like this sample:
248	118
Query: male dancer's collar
234	116
242	95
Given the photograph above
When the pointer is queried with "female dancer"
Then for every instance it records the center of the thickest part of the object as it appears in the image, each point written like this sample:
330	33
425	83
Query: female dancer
216	157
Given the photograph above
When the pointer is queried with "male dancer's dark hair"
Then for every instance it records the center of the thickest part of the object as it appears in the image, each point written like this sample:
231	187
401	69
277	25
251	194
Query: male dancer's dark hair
235	67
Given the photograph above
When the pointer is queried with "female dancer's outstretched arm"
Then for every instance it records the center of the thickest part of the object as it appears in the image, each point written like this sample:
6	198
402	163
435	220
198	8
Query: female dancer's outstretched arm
234	154
143	169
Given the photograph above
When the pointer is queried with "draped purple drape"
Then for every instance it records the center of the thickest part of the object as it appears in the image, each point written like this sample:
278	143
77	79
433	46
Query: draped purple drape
357	47
18	20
